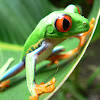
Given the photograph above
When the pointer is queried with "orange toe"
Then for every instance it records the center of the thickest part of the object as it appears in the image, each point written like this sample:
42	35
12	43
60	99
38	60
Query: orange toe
33	98
43	88
5	84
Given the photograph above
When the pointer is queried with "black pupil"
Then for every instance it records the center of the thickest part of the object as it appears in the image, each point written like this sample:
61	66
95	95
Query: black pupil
66	24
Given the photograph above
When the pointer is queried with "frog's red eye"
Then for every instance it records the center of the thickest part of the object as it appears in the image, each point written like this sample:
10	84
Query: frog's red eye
63	23
78	10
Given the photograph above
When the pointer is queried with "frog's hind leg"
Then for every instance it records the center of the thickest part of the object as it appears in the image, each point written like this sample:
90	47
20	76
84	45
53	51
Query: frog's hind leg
55	52
6	73
30	64
54	58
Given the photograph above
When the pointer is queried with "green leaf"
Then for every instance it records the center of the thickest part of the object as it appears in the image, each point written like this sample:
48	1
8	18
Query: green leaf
18	87
18	18
94	11
97	31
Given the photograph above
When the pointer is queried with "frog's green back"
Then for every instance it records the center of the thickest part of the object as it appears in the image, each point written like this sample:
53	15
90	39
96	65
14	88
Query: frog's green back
33	39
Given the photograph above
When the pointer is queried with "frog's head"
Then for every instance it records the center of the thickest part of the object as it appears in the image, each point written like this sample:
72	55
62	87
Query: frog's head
66	23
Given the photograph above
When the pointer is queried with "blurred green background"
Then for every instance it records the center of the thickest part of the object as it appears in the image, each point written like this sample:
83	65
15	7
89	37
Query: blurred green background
18	19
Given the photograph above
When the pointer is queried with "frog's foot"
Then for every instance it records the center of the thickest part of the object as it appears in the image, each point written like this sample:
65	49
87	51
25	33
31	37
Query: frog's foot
43	88
4	84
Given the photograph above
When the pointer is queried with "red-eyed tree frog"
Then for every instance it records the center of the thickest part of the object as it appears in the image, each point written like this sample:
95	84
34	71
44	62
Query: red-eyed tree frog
40	45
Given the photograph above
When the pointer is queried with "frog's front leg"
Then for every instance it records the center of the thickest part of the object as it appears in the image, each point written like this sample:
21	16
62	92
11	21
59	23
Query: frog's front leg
3	70
54	58
30	63
82	36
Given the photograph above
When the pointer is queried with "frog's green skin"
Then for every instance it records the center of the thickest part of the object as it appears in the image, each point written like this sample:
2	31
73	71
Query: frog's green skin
42	41
45	28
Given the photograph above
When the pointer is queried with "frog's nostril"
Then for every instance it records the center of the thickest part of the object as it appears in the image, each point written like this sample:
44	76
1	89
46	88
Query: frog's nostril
84	23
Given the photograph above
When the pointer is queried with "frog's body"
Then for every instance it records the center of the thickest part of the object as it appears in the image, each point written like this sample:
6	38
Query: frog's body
40	33
40	45
48	52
